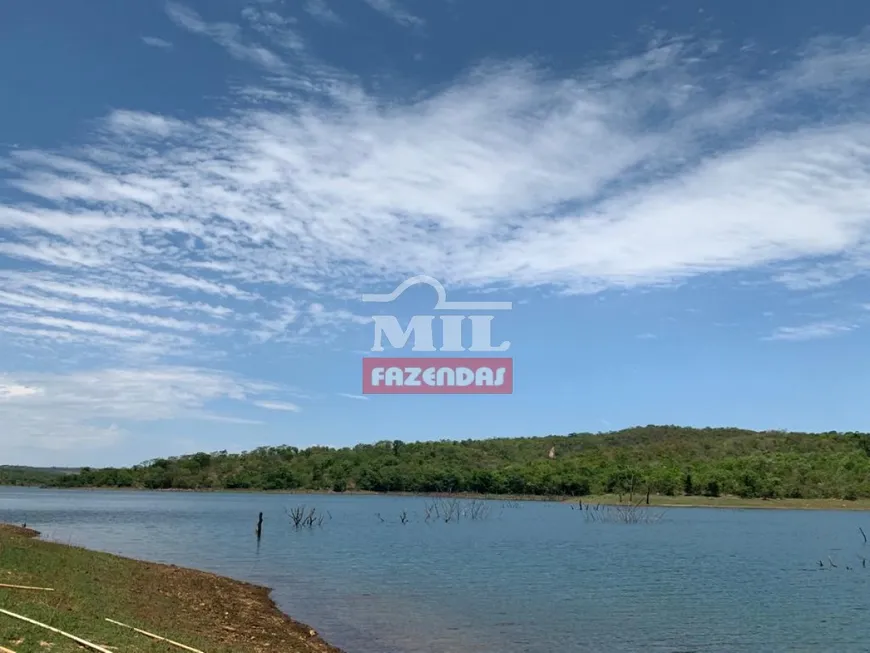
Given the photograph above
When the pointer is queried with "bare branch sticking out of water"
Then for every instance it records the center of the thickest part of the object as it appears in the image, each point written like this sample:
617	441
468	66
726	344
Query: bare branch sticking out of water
302	518
478	509
624	513
453	510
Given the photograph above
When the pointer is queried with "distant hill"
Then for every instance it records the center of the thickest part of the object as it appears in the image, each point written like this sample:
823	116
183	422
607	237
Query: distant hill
668	460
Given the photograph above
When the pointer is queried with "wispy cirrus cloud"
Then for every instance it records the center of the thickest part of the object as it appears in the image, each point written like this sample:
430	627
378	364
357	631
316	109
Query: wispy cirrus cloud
157	42
301	195
393	10
811	331
227	35
283	406
320	10
278	29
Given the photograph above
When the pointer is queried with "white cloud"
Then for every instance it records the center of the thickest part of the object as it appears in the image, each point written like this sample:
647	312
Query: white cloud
321	11
321	315
294	198
278	405
97	407
275	27
811	331
227	35
351	396
392	10
10	391
506	177
156	42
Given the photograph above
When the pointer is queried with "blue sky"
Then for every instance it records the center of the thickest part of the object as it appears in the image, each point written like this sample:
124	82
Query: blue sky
194	196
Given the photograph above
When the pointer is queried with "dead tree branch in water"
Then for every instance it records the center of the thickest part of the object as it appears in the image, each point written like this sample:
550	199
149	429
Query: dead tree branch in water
478	509
624	513
302	518
452	510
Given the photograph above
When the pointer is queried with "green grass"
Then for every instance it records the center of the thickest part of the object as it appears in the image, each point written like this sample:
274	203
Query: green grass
208	612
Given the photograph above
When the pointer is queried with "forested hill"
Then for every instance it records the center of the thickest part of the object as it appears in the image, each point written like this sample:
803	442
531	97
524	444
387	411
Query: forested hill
667	459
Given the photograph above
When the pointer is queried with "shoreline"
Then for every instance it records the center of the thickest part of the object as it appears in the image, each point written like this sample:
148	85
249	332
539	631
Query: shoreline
656	500
730	502
197	608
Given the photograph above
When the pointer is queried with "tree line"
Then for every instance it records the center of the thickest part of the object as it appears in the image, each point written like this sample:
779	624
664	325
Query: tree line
667	460
19	475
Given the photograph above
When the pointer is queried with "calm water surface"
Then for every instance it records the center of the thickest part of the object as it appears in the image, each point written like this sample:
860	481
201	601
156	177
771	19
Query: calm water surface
536	578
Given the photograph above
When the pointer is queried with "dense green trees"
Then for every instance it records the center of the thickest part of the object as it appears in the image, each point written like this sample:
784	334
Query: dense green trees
666	459
15	475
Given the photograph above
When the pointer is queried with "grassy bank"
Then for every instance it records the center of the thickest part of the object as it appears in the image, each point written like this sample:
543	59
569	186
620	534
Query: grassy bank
731	502
201	610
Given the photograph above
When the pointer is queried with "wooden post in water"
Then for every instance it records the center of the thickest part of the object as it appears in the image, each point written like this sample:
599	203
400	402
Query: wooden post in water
259	527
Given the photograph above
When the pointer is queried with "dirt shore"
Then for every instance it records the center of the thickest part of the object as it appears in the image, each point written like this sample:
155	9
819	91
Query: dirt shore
661	501
198	609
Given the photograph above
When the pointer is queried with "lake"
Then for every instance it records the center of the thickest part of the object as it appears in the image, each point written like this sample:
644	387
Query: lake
531	577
